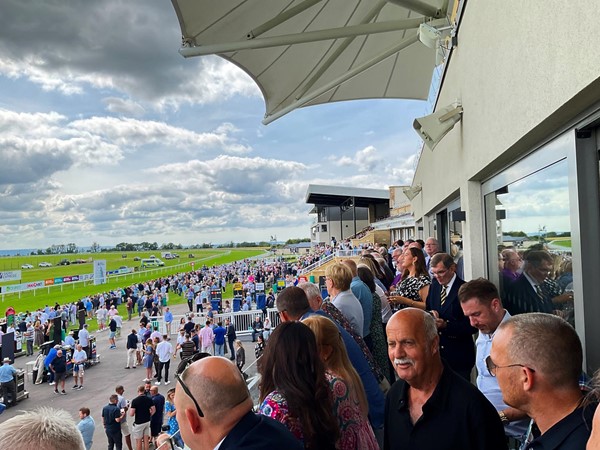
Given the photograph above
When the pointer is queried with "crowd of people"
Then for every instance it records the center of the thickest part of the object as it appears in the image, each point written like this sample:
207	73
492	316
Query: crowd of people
385	360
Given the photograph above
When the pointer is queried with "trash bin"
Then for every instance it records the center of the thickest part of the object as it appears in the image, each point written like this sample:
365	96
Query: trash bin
237	301
261	301
216	305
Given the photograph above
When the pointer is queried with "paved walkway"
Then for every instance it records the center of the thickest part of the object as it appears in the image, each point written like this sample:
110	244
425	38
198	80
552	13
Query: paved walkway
101	379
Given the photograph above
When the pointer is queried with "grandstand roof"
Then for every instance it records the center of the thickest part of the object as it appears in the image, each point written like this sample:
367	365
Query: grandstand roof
321	195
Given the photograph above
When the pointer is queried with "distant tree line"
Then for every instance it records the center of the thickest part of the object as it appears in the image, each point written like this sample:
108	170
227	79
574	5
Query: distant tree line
71	247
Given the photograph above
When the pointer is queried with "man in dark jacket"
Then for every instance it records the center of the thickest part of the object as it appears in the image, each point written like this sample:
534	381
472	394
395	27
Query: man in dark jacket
132	341
231	337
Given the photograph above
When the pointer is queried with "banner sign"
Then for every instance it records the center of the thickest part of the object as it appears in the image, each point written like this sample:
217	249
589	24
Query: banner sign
99	271
22	287
44	283
10	275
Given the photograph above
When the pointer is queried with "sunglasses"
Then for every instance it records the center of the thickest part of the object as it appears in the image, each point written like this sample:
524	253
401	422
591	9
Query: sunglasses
181	368
492	367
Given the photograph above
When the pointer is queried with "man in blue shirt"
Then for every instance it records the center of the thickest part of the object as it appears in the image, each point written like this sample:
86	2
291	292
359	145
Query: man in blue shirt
7	382
219	333
168	320
86	427
364	296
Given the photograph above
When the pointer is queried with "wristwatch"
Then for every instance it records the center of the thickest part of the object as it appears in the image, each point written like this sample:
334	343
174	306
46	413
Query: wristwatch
503	418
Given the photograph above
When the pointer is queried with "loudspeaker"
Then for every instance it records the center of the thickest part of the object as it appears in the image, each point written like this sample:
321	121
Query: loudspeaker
434	127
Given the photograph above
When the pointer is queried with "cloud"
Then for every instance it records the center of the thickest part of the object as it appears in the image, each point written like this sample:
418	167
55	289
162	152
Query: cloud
123	107
365	160
31	153
126	47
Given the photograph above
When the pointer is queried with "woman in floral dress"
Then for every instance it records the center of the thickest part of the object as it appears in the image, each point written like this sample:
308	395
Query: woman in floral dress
349	398
414	287
293	388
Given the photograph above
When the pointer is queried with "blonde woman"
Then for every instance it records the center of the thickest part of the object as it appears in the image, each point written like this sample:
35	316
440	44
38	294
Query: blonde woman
349	398
149	358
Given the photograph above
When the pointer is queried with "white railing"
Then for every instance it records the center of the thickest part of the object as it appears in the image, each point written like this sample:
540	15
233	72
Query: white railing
242	320
314	265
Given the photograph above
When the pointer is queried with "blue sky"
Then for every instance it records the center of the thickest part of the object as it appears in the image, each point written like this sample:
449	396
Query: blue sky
108	135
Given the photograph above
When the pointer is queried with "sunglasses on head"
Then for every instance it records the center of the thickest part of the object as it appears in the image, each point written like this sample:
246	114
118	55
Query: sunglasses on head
181	368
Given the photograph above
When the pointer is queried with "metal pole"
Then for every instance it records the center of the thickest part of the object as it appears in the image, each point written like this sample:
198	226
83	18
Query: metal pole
302	38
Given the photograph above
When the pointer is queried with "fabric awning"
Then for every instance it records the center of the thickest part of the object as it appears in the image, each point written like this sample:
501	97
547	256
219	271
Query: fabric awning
308	52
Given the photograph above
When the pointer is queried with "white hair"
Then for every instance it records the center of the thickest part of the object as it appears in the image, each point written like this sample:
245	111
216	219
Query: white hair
43	428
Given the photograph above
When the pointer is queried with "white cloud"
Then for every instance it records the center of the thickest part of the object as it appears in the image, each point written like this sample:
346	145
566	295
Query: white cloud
124	107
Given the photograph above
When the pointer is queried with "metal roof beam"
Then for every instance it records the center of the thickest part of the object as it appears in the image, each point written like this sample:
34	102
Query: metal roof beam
376	9
299	38
420	7
345	77
280	18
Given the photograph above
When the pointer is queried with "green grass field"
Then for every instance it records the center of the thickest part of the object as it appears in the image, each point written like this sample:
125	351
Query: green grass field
562	242
68	292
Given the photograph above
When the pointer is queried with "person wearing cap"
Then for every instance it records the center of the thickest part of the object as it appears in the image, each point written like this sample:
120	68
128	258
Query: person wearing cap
48	360
69	340
7	382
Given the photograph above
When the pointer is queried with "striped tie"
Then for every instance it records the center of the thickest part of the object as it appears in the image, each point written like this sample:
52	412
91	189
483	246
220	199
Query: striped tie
538	291
443	295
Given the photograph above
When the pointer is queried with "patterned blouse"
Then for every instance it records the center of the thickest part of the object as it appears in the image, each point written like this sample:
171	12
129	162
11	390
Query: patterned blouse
355	430
409	287
275	406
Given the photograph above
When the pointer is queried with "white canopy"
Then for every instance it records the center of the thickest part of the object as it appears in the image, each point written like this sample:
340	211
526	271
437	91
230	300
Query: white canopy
307	52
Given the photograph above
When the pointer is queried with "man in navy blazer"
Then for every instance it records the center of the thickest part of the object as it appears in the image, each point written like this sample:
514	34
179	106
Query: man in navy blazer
456	333
214	408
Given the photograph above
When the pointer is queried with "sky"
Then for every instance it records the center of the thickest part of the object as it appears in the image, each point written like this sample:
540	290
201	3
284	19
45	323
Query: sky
108	135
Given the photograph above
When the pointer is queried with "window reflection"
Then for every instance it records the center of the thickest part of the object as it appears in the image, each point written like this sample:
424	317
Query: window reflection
529	223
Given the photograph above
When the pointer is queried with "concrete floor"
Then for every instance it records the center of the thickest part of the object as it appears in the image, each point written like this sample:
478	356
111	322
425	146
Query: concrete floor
101	379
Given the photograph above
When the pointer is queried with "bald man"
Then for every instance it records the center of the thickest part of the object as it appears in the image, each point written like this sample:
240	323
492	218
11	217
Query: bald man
216	411
431	406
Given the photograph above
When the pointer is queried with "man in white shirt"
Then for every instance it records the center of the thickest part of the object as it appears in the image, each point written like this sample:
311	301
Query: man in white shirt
481	303
164	351
79	358
84	339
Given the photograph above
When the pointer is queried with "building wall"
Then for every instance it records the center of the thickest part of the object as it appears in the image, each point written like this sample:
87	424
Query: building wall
526	74
521	70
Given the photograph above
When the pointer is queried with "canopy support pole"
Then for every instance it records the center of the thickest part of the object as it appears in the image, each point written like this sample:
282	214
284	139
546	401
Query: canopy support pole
280	18
338	51
342	79
299	38
419	7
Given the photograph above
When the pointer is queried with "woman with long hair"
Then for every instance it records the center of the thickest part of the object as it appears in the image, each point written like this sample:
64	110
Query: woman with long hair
293	387
414	287
149	358
349	398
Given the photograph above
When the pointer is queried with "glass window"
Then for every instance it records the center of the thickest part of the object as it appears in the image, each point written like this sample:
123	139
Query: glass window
529	242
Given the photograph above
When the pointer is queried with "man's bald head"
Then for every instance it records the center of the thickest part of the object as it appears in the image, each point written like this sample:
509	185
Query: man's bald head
218	386
154	390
